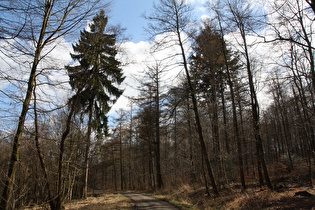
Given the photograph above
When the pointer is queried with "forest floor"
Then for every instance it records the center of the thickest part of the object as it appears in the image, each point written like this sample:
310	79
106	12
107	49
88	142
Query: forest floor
288	198
291	192
96	201
102	201
189	198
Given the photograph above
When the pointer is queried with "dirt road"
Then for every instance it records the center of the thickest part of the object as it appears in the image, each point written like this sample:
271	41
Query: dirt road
148	202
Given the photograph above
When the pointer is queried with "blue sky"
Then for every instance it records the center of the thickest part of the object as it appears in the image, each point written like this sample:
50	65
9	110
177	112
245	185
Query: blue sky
128	14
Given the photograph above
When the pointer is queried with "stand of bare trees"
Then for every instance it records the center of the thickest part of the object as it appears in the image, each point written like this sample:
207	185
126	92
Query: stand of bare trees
215	127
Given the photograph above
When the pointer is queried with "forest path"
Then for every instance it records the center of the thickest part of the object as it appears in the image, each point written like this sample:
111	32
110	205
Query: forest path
149	202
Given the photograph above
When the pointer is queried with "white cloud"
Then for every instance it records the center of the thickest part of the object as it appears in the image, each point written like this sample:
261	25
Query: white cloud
15	67
201	9
205	17
138	56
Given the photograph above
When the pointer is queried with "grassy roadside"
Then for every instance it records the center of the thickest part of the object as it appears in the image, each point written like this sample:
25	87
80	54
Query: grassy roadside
188	198
104	201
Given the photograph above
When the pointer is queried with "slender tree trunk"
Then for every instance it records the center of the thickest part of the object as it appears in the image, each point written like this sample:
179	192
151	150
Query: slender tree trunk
191	144
256	121
283	117
309	142
121	159
214	119
15	155
215	129
40	154
235	121
309	45
114	170
226	136
150	163
205	175
131	181
197	118
242	133
87	152
236	129
157	136
60	193
176	162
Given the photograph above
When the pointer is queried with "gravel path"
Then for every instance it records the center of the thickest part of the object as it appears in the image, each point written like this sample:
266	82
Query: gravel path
148	202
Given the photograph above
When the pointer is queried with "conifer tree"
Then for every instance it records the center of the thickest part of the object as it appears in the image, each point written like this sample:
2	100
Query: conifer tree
97	76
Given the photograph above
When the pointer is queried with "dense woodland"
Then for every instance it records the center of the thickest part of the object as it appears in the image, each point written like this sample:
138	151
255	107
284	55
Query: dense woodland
241	112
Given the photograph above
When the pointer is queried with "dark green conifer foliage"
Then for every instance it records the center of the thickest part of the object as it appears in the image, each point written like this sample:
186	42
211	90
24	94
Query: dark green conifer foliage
98	71
95	78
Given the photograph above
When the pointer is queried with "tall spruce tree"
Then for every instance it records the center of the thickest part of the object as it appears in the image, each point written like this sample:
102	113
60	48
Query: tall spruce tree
97	76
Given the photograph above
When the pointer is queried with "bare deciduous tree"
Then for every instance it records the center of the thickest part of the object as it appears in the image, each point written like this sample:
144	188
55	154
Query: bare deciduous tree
243	18
172	16
45	23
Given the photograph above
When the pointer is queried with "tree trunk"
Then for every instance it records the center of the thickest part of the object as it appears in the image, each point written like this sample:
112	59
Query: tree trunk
235	121
256	121
40	154
60	194
236	127
197	118
87	151
176	162
191	144
309	45
121	159
15	155
157	136
114	173
131	181
215	129
226	136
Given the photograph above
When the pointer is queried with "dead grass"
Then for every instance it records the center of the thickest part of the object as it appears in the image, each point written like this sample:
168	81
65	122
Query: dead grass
231	197
274	200
105	201
188	198
286	182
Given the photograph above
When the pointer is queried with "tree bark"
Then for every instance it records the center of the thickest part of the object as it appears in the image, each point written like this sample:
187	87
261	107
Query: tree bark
15	155
235	121
40	154
60	193
157	136
197	118
256	120
87	151
121	159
